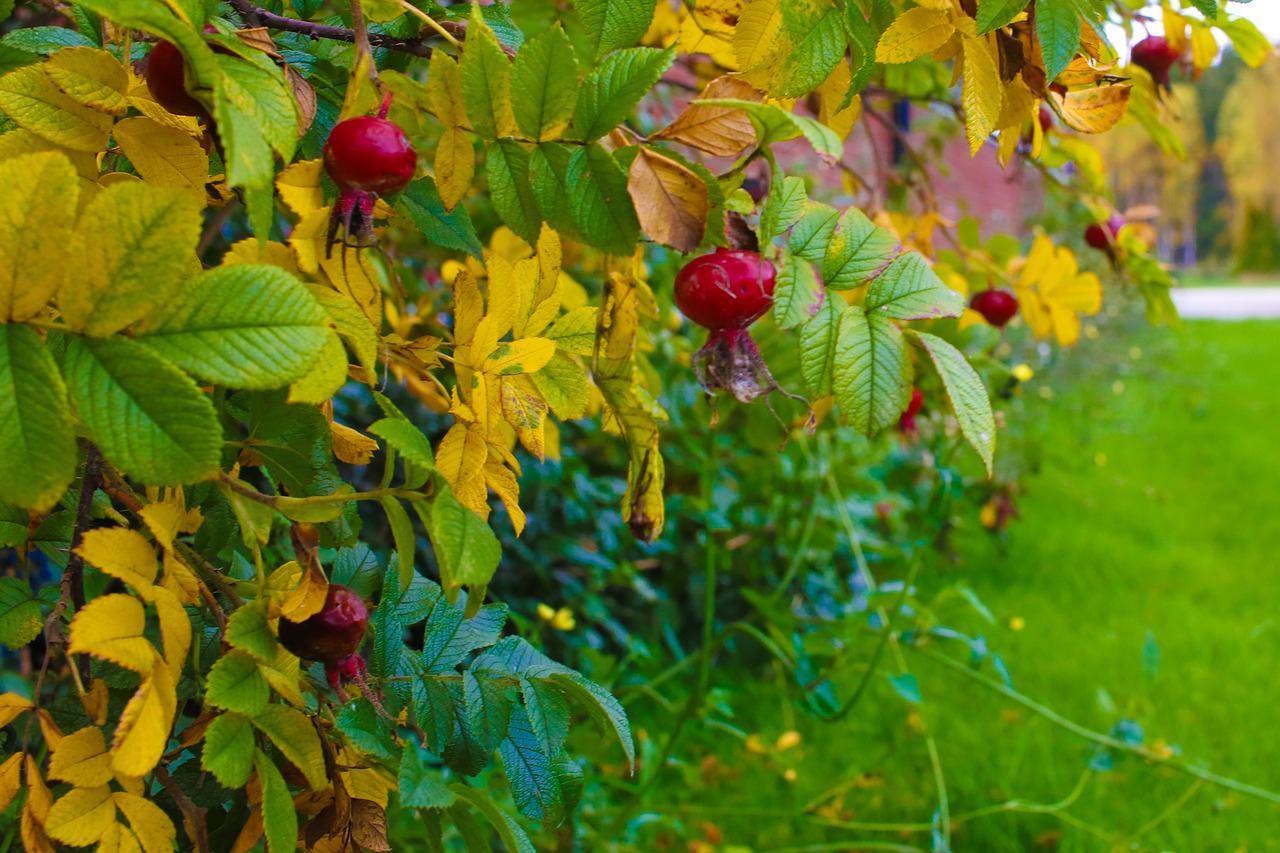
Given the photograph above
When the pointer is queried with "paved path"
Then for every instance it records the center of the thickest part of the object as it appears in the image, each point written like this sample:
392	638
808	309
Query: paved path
1227	303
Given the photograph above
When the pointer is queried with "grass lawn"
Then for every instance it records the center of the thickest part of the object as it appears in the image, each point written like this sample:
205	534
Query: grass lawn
1142	585
1153	526
1207	278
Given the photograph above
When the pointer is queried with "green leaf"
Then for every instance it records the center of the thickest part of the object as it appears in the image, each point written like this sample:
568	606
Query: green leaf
512	835
814	31
601	705
612	90
498	16
548	713
535	786
783	207
811	235
506	166
488	704
20	619
465	546
279	819
244	326
907	687
41	194
910	290
798	293
611	24
149	419
872	375
1058	29
856	251
774	124
257	120
548	170
293	734
414	448
402	534
37	440
236	684
544	85
326	376
968	396
352	325
862	52
421	785
575	331
486	80
249	629
421	203
13	526
1208	7
564	385
228	750
994	14
818	347
601	205
137	254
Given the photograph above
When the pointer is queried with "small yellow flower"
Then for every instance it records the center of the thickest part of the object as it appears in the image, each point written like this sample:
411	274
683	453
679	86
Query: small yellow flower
787	740
560	620
990	515
790	774
1017	623
1023	373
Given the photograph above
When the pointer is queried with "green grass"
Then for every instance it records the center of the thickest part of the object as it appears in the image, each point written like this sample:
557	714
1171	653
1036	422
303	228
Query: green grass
1210	278
1151	531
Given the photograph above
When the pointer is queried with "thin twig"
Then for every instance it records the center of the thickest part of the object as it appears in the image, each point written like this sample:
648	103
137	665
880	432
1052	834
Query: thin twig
257	16
73	574
193	813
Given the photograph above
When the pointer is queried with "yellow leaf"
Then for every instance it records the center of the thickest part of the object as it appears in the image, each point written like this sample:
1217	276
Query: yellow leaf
180	580
444	90
283	675
1093	110
352	446
119	839
145	723
527	355
307	598
149	822
31	98
82	816
11	705
299	186
1204	47
95	701
82	759
756	38
90	77
831	95
110	627
454	166
504	294
468	308
140	99
325	378
353	275
915	32
671	201
549	258
708	27
527	414
122	553
48	728
10	780
983	90
308	238
40	192
162	155
34	813
1175	28
505	485
721	131
168	517
461	455
250	251
175	630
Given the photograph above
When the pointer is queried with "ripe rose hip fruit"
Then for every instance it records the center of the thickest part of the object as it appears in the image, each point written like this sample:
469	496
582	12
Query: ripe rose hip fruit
367	157
333	635
727	289
997	307
166	80
907	423
1157	56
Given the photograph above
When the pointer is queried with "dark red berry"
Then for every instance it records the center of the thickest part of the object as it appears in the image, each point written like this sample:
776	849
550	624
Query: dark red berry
1157	56
1096	236
907	423
166	80
997	307
1046	119
333	635
727	289
369	154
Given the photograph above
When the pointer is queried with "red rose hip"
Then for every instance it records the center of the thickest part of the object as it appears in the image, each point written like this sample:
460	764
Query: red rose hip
727	289
997	307
333	635
166	80
1157	56
369	154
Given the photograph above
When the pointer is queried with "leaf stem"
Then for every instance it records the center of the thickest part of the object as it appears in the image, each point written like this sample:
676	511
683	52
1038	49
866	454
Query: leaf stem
431	22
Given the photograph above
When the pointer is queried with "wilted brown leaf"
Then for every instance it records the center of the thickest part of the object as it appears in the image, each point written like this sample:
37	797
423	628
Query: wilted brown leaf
369	826
720	131
304	95
671	201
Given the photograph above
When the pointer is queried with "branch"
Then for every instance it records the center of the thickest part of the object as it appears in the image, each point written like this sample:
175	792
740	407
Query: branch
257	16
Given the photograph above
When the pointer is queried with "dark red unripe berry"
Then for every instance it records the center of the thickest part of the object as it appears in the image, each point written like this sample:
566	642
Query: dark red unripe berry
997	307
334	634
727	289
369	154
1046	119
166	80
1096	236
1157	56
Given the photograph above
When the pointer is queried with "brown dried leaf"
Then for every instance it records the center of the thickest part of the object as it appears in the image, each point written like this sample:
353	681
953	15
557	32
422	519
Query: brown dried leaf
304	95
369	826
259	38
719	131
671	201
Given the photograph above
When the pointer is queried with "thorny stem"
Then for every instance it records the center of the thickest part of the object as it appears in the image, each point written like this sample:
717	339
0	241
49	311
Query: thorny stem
273	501
257	16
362	38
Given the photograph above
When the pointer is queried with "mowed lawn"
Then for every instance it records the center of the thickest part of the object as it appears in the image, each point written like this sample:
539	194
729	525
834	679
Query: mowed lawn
1145	580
